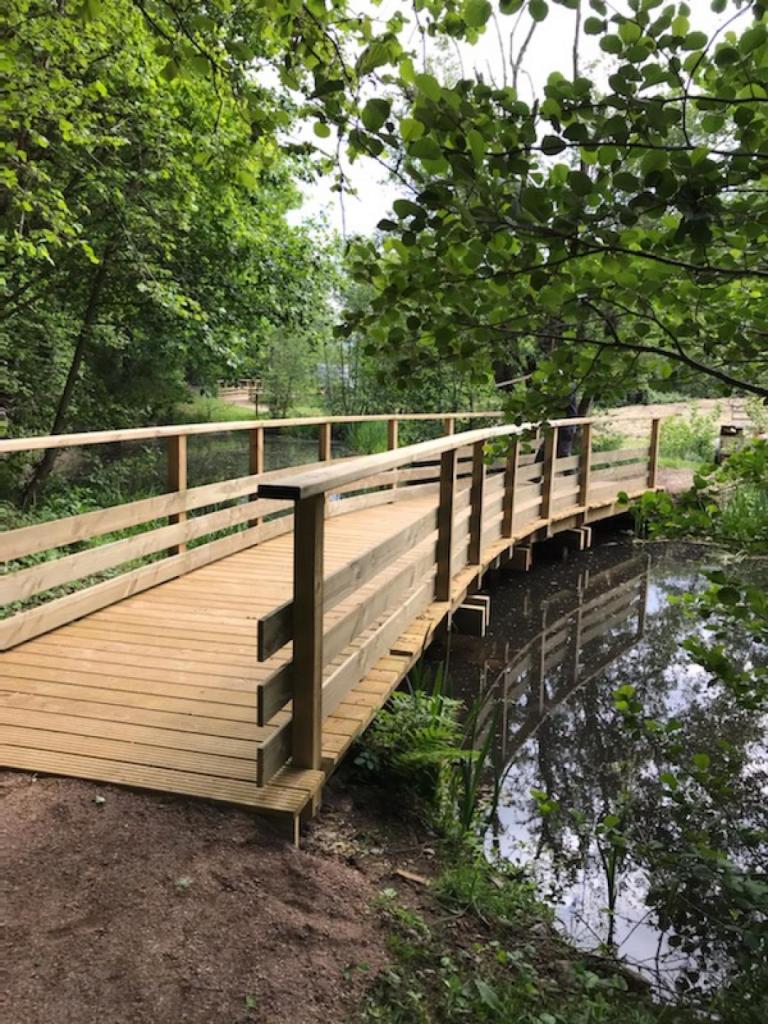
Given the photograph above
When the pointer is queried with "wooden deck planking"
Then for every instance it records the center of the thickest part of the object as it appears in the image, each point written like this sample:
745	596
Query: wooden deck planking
159	690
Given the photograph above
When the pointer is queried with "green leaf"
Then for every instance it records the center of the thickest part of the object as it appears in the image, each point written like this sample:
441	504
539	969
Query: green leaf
425	149
488	996
580	183
405	208
373	56
321	129
695	41
551	145
430	86
753	38
654	160
725	56
538	9
375	113
411	129
476	143
630	31
476	13
611	44
594	26
702	761
510	6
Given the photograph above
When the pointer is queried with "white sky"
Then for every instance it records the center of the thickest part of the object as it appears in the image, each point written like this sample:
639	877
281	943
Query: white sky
550	50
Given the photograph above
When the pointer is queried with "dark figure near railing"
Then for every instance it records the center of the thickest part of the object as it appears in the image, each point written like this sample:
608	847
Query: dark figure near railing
566	435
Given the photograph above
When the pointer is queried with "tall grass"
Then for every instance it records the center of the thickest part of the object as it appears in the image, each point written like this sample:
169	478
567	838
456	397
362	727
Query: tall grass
744	515
201	409
367	437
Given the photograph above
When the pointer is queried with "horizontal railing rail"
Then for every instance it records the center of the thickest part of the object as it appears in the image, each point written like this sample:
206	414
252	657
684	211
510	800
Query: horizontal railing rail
484	488
43	559
11	445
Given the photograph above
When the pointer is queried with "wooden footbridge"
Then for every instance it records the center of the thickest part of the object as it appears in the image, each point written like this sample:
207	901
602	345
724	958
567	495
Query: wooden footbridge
234	638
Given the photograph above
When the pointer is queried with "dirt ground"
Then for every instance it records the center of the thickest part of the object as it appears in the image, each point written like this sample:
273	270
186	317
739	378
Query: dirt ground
675	481
633	419
120	906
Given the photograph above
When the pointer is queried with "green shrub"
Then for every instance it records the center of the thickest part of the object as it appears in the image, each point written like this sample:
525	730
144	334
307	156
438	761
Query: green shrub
413	740
691	438
607	440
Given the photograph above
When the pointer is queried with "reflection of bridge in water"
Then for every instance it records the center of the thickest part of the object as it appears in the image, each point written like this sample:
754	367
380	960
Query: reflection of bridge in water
571	647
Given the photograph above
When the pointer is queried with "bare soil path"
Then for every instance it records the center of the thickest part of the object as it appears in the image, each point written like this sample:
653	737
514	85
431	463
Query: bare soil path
118	907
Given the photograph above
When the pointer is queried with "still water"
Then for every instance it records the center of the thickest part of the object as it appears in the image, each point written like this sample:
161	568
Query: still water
562	639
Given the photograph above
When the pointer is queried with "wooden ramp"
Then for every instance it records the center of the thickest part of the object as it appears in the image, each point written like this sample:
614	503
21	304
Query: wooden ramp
191	686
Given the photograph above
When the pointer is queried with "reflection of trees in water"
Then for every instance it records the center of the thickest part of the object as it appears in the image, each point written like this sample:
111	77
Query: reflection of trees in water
582	754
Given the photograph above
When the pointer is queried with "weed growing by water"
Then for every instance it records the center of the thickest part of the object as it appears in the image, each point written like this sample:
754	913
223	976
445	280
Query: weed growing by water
472	967
497	893
414	740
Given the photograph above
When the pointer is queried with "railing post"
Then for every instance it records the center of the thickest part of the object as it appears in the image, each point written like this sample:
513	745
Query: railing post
510	483
445	525
476	503
585	463
548	477
653	456
449	425
392	439
308	560
255	459
392	443
177	480
324	448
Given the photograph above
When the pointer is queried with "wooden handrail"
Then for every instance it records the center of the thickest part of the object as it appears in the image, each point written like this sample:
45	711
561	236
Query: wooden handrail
324	479
40	442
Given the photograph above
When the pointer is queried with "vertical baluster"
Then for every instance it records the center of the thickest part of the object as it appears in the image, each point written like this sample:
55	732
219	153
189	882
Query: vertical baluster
392	434
653	456
392	443
177	480
324	447
445	524
449	425
476	503
585	464
548	478
510	483
255	459
308	561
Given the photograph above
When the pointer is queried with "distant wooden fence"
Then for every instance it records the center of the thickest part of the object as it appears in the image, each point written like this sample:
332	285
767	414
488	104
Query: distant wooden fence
247	391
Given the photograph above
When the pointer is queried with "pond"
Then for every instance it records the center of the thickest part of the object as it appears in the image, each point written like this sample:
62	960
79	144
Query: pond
585	800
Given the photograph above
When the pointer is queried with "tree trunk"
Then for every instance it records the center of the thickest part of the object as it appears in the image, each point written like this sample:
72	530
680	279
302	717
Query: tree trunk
42	470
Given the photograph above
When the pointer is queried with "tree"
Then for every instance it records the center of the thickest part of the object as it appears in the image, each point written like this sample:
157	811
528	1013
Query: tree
595	231
145	224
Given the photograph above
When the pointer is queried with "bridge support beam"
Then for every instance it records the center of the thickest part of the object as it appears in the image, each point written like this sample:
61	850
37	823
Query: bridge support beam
521	559
470	620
